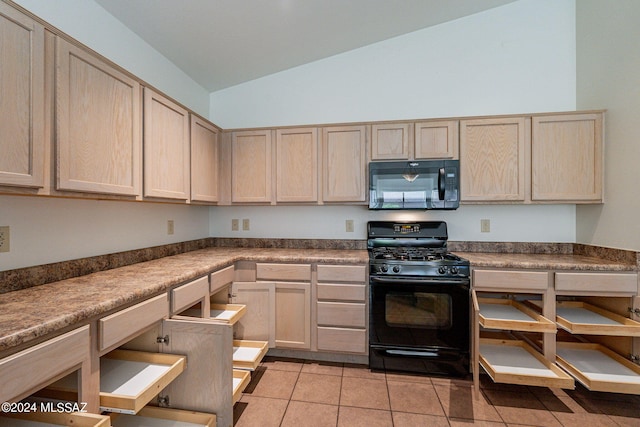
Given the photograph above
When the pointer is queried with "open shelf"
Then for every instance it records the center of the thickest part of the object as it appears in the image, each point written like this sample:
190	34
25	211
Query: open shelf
248	354
164	417
507	314
515	362
52	419
240	382
582	318
598	368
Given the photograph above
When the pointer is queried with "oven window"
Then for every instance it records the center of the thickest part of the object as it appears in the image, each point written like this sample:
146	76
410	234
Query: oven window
418	310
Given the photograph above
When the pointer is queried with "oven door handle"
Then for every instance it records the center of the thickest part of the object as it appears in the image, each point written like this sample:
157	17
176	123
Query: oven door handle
413	281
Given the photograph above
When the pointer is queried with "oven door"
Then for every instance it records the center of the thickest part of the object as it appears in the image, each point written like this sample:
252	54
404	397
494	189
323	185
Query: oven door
419	320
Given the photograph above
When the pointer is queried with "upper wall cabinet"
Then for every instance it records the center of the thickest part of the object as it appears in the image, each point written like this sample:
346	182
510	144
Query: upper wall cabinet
566	158
22	99
166	148
204	161
344	164
431	139
297	165
98	125
251	161
493	159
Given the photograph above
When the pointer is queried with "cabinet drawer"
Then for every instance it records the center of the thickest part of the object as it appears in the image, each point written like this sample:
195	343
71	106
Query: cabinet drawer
626	283
342	339
506	279
248	355
342	273
283	272
341	314
116	328
341	292
150	415
24	372
221	278
30	419
241	380
187	295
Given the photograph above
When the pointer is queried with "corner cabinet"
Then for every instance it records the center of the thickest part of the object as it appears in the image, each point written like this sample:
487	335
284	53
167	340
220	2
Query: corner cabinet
251	162
567	158
22	141
204	160
98	125
344	162
166	148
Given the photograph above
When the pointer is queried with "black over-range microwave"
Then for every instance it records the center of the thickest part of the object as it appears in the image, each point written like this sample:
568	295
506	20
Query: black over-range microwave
426	184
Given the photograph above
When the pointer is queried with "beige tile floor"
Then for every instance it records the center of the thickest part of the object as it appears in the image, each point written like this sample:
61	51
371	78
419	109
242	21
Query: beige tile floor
286	392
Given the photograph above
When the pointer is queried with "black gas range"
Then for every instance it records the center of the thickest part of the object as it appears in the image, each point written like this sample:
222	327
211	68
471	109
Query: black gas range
419	292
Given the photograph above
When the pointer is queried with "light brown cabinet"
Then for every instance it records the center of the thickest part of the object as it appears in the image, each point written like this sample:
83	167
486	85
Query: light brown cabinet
567	158
436	139
390	141
297	165
98	125
22	141
344	164
166	148
493	159
293	315
251	162
204	161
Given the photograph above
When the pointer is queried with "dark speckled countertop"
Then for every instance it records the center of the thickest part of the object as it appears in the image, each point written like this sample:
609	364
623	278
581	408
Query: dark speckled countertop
28	315
32	313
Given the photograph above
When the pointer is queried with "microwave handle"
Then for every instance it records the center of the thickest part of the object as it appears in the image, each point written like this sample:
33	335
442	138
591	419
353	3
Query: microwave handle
441	184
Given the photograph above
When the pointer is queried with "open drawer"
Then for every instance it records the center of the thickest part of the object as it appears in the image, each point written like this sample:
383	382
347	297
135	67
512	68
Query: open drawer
248	354
164	417
226	313
512	315
128	379
241	380
515	362
45	419
580	317
598	368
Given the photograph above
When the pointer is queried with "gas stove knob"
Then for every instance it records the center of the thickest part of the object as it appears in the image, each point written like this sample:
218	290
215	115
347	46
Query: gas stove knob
396	269
442	270
454	270
384	268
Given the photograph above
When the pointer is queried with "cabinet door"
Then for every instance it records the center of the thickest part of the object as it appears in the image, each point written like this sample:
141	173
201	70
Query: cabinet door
258	323
297	165
204	161
566	155
207	384
98	125
251	166
293	315
493	159
166	148
344	164
436	140
390	141
22	99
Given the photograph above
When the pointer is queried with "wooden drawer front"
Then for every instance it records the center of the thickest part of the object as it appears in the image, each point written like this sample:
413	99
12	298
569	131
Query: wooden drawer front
25	372
117	328
506	279
342	273
187	295
597	282
341	292
342	339
283	272
341	314
221	278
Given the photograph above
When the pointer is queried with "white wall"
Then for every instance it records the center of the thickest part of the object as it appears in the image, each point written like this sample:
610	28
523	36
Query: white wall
48	230
91	24
518	58
608	47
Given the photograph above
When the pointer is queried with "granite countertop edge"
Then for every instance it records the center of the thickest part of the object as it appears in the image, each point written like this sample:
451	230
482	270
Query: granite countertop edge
33	313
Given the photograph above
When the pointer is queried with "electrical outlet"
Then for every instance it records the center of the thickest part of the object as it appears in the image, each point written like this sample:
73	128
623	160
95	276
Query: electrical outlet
170	228
235	224
245	224
4	239
348	225
485	226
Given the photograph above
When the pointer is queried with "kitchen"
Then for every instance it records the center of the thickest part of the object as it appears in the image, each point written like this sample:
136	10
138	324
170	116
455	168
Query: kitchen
509	50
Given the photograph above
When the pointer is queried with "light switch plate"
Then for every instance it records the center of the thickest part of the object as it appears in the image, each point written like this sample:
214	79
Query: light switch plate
4	239
349	226
235	224
245	224
485	226
170	228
